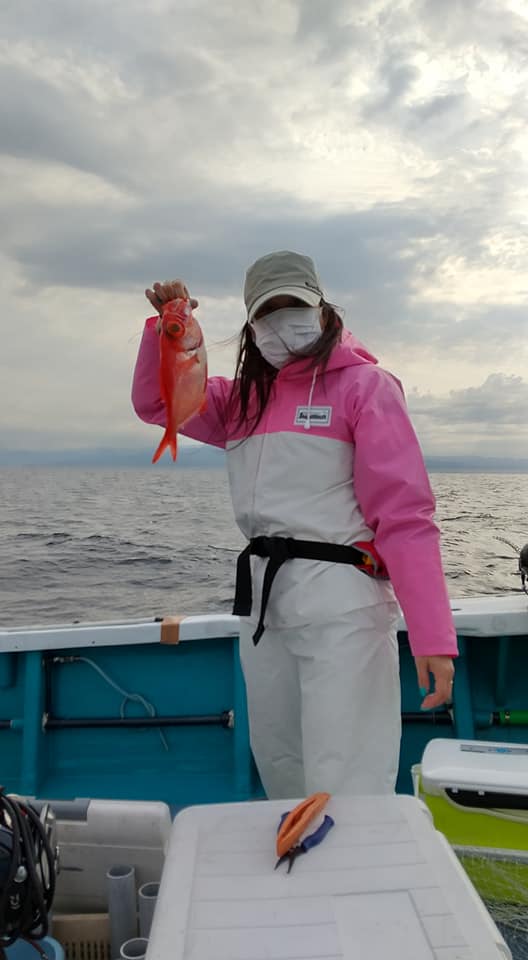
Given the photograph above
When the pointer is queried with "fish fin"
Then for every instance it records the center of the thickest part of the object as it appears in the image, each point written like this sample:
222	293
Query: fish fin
203	408
187	364
166	441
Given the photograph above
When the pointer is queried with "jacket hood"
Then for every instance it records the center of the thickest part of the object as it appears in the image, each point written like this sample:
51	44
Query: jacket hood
349	352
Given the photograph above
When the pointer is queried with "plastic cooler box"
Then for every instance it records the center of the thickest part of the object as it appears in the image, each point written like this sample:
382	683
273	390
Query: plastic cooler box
383	885
477	793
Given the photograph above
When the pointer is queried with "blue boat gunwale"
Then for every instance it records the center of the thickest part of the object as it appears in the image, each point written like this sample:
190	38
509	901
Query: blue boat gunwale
486	616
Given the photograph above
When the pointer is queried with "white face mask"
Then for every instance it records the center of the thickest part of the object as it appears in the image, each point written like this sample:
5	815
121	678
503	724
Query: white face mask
286	331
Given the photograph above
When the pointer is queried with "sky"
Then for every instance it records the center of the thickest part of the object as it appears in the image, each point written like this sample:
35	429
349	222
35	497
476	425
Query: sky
151	140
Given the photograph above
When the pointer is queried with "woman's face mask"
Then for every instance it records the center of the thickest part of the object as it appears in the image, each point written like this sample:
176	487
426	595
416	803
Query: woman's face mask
286	331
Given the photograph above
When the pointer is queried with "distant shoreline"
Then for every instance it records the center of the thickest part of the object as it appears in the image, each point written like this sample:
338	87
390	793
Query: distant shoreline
209	458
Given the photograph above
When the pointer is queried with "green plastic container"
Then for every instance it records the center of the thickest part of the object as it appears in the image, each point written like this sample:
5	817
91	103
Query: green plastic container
477	793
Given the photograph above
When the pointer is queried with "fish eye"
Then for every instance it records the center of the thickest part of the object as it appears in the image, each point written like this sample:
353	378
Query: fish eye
174	328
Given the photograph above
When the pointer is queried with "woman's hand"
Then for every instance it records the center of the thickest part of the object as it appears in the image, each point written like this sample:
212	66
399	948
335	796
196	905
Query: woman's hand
443	671
161	293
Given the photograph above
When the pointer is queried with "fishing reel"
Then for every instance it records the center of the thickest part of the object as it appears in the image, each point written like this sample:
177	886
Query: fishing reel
522	563
28	868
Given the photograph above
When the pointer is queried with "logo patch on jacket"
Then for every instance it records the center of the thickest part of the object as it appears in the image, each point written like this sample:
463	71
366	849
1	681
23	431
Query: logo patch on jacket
318	416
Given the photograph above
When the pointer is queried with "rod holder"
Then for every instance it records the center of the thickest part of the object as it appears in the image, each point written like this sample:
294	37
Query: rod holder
121	892
134	949
147	897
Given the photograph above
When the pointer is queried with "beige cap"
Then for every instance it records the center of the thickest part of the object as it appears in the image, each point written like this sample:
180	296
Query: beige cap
282	272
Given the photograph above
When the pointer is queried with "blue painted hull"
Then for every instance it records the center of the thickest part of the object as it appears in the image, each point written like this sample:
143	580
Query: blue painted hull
199	682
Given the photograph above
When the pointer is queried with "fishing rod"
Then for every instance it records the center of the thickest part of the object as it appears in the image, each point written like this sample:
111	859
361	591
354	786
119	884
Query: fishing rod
522	562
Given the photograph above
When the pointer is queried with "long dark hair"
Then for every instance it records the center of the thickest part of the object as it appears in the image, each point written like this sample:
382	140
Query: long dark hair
254	373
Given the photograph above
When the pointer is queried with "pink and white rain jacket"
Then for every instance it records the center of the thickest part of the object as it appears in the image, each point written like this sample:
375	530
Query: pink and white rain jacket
334	459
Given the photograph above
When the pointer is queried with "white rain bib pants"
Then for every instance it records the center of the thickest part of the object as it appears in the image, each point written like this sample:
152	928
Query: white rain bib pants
324	704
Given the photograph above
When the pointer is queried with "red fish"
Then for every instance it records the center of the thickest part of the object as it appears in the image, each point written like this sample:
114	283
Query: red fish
183	370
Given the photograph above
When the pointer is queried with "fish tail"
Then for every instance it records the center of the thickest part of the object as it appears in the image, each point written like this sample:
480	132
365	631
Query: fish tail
166	441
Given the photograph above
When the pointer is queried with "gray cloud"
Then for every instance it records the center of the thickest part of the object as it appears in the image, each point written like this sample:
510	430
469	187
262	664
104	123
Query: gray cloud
190	138
491	25
47	123
369	261
498	402
487	420
396	79
438	106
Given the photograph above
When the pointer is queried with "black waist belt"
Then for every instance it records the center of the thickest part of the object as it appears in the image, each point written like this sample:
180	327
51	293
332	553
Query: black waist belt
280	549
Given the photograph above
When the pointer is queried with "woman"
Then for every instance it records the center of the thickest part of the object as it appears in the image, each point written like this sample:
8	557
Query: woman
321	455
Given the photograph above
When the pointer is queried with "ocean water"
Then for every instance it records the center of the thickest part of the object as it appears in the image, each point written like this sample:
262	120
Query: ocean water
97	544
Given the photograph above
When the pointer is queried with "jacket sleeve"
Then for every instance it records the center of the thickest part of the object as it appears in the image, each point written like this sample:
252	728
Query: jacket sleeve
209	426
395	496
